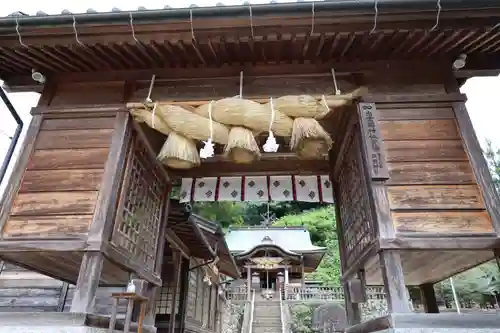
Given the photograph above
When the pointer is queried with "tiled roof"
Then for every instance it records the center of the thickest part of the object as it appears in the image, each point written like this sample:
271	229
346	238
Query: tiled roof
291	239
139	9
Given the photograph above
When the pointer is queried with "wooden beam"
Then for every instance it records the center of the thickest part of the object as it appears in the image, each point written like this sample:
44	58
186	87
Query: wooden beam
105	209
433	243
343	70
275	164
394	282
87	283
177	244
429	298
479	164
161	239
15	179
62	297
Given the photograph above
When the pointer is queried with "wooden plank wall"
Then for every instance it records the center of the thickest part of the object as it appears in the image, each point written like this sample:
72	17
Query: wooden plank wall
61	183
432	188
22	290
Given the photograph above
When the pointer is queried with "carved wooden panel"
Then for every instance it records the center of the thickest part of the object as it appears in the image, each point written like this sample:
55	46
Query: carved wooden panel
355	212
141	206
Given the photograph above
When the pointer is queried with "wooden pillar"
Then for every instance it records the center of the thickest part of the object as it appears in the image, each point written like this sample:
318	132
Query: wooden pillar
394	283
87	283
184	292
177	276
285	284
249	283
428	296
106	206
353	312
479	164
150	318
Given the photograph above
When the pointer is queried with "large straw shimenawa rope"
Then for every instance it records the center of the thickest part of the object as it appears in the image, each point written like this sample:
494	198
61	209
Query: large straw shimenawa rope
309	140
236	111
179	152
235	122
242	147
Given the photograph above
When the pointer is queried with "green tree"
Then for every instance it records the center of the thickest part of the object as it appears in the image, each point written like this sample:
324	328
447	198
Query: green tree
225	213
322	226
493	158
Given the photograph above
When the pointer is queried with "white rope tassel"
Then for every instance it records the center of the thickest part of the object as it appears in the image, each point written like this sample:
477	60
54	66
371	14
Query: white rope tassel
149	100
208	148
241	84
337	91
271	146
325	103
153	115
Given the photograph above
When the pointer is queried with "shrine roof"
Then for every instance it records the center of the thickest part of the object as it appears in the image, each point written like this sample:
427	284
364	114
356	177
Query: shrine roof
194	38
291	239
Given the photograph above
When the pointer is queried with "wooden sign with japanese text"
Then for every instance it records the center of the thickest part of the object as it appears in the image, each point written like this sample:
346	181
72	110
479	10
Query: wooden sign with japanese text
375	150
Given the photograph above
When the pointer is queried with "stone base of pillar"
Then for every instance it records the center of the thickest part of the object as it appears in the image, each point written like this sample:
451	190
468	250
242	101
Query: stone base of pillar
430	323
60	322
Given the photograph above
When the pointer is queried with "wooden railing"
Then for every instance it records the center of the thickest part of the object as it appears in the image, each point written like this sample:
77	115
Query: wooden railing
308	293
239	293
304	293
314	293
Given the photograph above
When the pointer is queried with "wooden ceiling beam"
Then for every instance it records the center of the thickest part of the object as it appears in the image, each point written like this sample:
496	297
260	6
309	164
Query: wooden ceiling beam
250	71
203	28
269	164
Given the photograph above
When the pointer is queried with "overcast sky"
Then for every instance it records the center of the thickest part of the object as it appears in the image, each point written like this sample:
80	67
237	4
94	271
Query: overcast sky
483	93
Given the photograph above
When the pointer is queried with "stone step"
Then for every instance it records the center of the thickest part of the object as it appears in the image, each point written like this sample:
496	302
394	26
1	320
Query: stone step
267	320
257	324
267	330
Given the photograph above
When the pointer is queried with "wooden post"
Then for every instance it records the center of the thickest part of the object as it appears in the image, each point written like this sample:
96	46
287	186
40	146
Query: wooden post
184	292
150	317
353	312
102	222
394	283
285	284
87	283
249	283
177	276
428	296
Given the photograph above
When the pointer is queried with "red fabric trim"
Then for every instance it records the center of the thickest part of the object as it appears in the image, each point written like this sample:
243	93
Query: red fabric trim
294	189
268	178
193	186
217	184
243	188
320	188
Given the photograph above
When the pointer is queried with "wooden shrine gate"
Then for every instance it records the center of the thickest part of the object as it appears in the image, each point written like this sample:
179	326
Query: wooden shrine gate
88	200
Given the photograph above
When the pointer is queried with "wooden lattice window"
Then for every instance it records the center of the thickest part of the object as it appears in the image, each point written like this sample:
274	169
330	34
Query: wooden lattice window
357	224
141	206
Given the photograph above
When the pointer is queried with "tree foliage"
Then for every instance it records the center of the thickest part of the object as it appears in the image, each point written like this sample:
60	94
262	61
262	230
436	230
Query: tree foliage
493	158
321	225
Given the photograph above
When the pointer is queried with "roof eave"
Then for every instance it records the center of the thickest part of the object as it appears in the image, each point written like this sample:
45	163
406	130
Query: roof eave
146	16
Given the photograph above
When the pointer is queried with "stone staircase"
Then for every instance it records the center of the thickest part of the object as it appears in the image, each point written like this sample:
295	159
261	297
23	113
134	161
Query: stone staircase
266	317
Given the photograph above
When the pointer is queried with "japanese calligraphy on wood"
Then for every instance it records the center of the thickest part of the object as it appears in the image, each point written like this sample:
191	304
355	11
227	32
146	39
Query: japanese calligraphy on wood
375	151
